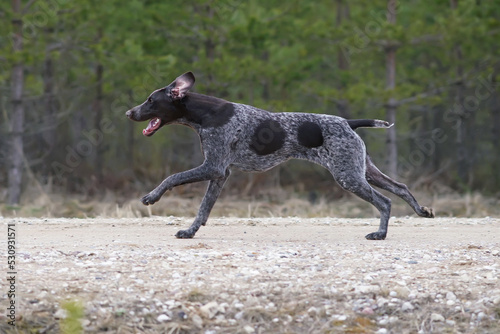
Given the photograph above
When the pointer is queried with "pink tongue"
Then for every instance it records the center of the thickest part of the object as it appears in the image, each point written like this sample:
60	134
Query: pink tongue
151	127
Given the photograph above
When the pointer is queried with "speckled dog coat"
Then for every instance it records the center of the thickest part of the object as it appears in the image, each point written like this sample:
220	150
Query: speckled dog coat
255	140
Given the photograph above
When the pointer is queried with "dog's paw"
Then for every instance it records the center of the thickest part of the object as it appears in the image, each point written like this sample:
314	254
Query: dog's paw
150	198
376	236
184	234
427	212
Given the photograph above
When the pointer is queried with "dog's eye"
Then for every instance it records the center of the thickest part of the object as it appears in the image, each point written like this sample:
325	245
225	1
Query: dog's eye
150	99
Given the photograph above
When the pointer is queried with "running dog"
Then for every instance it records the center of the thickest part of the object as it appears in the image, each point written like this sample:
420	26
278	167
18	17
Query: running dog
255	140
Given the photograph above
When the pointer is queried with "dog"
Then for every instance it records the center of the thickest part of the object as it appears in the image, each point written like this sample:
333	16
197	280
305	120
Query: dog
255	140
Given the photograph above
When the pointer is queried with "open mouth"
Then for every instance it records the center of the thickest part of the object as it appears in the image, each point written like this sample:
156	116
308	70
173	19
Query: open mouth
154	124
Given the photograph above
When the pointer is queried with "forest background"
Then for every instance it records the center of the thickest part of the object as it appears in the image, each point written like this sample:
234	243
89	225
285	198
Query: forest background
70	69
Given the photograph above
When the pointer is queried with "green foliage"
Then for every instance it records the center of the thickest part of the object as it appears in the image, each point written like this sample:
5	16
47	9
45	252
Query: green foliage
277	55
71	324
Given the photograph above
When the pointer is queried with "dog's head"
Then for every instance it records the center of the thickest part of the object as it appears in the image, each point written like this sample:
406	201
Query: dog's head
162	106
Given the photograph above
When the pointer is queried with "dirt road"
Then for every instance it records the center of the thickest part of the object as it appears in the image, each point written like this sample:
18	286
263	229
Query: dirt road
272	275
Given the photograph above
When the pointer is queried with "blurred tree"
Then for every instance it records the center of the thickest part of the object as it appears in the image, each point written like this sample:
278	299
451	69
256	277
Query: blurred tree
84	63
16	149
390	49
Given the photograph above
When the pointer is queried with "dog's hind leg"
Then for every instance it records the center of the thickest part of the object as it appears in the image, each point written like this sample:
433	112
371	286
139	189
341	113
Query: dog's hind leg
375	177
363	190
213	191
349	174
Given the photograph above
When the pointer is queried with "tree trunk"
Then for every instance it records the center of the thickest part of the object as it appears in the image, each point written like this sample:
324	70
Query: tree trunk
461	148
97	122
49	123
495	125
343	63
16	150
390	56
130	139
436	159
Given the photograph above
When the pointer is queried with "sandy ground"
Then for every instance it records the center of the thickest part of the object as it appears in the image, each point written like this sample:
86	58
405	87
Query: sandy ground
269	275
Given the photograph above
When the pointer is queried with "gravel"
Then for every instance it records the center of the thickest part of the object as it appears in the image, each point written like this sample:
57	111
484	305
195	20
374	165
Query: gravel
266	275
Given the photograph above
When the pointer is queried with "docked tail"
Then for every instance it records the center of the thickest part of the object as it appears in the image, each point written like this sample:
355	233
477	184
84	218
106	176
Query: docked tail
368	123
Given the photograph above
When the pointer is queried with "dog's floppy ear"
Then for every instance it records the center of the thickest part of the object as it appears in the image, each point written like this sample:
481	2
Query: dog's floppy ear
181	85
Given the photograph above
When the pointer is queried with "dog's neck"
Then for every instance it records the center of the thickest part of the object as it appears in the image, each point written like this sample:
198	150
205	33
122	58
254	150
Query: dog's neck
203	111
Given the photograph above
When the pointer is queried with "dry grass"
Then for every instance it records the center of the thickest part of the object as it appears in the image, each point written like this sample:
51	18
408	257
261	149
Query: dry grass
276	204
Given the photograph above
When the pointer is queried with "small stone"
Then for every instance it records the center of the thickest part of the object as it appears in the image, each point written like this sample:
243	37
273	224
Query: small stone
450	322
450	302
163	318
210	309
407	306
367	289
481	316
223	307
393	294
220	319
367	311
393	319
61	314
249	329
312	311
271	307
465	278
85	322
339	317
197	321
451	296
382	301
381	331
436	317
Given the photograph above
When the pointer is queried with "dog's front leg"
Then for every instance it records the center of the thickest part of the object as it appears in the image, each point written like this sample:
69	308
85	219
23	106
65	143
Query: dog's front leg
213	191
202	173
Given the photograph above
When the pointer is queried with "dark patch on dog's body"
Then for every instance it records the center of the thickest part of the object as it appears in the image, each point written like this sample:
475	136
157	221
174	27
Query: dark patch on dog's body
309	135
268	137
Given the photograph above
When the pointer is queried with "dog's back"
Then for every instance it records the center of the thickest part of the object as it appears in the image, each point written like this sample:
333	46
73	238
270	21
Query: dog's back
262	139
